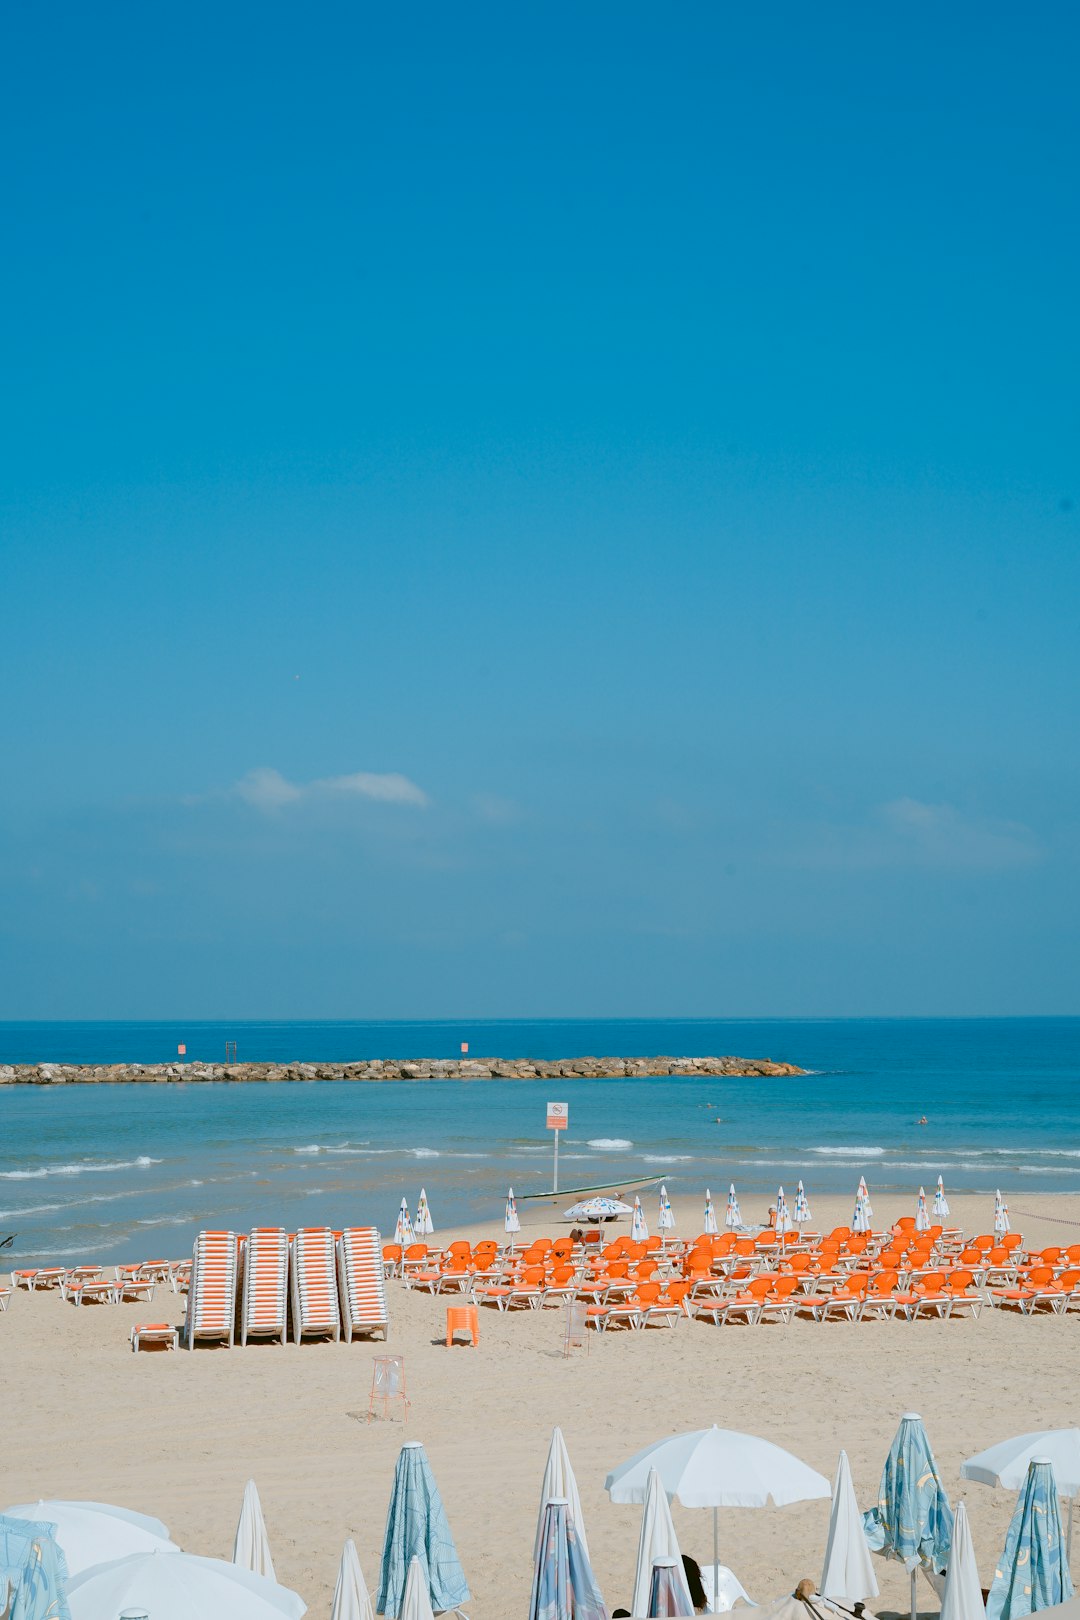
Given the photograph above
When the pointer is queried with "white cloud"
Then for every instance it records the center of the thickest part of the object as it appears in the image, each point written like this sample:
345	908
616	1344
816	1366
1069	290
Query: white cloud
266	789
909	832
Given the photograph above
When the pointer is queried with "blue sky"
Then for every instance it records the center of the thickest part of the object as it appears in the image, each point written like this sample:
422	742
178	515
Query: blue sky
539	511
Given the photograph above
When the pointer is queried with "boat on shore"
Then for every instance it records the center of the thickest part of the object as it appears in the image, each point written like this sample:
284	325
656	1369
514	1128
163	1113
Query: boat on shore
619	1184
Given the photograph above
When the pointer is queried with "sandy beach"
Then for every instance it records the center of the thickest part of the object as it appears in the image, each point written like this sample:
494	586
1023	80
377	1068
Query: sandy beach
177	1435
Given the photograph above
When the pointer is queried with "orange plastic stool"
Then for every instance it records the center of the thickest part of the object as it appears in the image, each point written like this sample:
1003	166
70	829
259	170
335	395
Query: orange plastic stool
462	1319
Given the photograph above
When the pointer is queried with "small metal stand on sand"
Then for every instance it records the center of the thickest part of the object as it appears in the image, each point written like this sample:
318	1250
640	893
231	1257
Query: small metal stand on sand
388	1384
575	1335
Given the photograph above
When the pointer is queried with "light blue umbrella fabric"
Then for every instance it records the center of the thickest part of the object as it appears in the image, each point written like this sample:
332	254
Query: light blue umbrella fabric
33	1571
1034	1571
564	1586
416	1527
913	1520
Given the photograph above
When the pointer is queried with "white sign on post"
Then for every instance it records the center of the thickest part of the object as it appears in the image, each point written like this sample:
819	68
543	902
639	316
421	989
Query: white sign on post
558	1118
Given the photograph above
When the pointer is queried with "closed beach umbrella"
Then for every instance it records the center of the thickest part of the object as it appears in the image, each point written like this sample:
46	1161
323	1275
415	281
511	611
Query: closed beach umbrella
416	1604
638	1229
178	1587
922	1214
802	1208
1006	1464
962	1598
559	1485
860	1220
424	1224
717	1468
1001	1215
251	1547
416	1527
657	1540
352	1600
564	1586
941	1203
912	1521
848	1573
668	1594
734	1214
665	1221
403	1231
784	1223
511	1223
95	1532
710	1227
33	1576
1033	1572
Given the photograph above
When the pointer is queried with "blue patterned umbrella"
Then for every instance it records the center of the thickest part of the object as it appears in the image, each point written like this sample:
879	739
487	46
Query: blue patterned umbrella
912	1520
416	1527
1033	1572
33	1574
564	1586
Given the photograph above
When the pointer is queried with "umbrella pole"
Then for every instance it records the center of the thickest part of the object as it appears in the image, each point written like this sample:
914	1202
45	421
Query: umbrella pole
1068	1543
715	1604
914	1599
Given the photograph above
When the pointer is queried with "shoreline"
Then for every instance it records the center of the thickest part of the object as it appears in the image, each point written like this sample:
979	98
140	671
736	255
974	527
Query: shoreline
394	1069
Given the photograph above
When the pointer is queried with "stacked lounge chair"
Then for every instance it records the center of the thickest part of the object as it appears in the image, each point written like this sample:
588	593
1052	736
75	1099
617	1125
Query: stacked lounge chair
314	1284
211	1301
360	1280
264	1289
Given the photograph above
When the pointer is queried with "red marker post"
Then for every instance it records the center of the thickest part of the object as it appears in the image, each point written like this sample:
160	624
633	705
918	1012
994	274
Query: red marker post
181	1050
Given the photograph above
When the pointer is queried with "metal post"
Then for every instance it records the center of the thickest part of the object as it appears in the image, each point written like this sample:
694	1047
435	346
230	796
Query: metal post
1068	1543
914	1600
714	1604
555	1175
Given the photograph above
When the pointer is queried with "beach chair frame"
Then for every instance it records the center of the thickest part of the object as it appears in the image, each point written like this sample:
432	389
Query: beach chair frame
361	1283
316	1309
264	1285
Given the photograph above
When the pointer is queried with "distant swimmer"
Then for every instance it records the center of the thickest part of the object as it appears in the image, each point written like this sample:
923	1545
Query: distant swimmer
924	1120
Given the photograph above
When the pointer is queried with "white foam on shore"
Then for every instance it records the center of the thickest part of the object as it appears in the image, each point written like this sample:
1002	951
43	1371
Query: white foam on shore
314	1148
666	1158
140	1163
863	1152
608	1143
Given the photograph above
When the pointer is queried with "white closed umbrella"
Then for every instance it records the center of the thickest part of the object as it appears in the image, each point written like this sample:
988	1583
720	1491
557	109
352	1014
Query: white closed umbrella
352	1600
922	1214
784	1222
962	1598
251	1547
90	1533
177	1587
941	1203
511	1223
802	1207
864	1214
657	1540
1006	1464
665	1221
710	1228
424	1226
733	1217
639	1231
718	1468
1001	1215
416	1600
848	1572
403	1231
559	1484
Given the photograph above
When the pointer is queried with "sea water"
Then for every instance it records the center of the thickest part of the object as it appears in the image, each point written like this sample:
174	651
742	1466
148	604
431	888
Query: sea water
109	1172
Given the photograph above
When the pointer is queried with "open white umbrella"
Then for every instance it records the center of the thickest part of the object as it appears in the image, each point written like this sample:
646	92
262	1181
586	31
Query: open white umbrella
90	1533
657	1540
718	1468
251	1548
425	1226
1006	1464
352	1600
598	1209
710	1227
639	1231
848	1572
416	1600
922	1214
941	1203
1001	1215
178	1586
559	1484
962	1598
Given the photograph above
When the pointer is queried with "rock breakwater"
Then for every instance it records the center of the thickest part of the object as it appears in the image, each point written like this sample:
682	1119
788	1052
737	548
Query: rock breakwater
587	1068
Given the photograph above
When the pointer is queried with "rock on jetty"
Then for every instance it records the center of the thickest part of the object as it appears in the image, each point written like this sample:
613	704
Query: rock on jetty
588	1068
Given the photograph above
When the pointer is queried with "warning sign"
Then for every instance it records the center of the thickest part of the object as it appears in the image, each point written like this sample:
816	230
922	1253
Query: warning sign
558	1116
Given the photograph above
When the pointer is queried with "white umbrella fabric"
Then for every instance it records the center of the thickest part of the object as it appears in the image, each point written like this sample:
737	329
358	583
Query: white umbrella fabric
1001	1215
597	1209
734	1214
178	1586
1006	1464
864	1214
813	1607
941	1203
802	1207
559	1484
848	1572
403	1231
665	1221
784	1222
710	1227
922	1214
416	1600
89	1533
639	1231
962	1598
352	1600
511	1223
657	1540
251	1547
425	1226
718	1468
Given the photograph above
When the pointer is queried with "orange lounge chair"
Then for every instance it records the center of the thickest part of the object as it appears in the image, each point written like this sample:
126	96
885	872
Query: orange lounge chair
880	1297
845	1300
159	1333
211	1301
315	1306
264	1284
960	1297
779	1303
361	1287
927	1297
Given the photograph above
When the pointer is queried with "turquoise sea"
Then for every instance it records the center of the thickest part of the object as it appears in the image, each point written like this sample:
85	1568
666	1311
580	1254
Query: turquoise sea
123	1172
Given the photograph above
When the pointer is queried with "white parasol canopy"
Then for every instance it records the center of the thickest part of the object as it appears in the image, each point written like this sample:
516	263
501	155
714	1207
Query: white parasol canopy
178	1586
416	1600
848	1572
598	1209
403	1231
718	1468
1006	1464
424	1226
733	1217
710	1227
941	1203
657	1540
1001	1215
251	1548
511	1222
89	1533
816	1607
352	1600
639	1231
560	1485
922	1214
962	1598
666	1219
